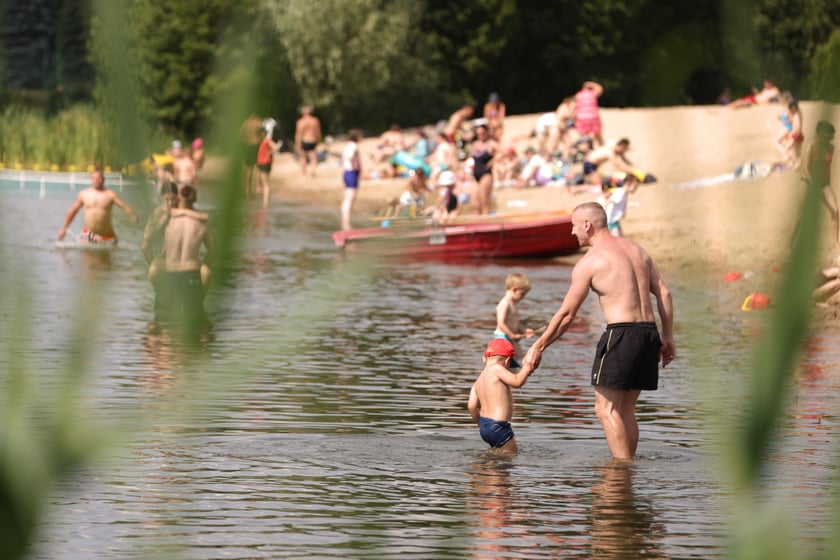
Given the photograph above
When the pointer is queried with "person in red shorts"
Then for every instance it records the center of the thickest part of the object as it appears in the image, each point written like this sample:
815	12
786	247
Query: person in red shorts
265	157
98	203
768	93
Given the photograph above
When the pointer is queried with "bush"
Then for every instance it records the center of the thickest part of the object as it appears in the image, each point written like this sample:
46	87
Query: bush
824	77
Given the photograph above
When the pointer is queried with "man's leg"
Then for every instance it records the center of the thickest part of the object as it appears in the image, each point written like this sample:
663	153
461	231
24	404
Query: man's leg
206	275
620	427
312	156
627	409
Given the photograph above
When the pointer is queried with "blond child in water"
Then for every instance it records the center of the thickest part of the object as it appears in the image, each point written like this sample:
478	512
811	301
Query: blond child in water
491	401
507	314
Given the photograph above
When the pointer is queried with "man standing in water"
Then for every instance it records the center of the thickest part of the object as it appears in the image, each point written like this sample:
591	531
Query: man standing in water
307	136
184	166
626	359
186	279
98	203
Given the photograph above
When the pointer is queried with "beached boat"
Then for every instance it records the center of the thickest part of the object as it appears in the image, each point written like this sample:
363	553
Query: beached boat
471	237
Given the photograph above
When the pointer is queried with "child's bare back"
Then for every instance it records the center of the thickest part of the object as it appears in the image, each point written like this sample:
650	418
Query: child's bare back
491	401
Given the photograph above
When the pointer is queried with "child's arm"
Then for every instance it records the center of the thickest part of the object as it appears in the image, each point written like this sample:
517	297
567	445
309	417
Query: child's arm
511	379
473	404
195	214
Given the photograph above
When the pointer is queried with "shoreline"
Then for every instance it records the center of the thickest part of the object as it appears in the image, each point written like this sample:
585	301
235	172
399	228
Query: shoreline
695	235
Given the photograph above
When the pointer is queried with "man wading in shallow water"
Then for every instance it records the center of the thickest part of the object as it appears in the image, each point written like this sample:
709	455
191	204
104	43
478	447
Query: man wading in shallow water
98	203
627	357
186	279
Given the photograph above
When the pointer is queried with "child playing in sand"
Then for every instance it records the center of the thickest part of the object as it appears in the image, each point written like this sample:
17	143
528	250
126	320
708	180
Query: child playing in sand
507	315
795	138
789	139
412	202
447	205
491	401
614	200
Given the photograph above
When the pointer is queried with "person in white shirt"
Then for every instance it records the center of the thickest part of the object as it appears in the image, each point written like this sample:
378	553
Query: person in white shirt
538	171
614	201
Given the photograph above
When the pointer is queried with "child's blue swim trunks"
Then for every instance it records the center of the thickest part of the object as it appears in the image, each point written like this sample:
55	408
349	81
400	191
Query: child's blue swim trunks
495	432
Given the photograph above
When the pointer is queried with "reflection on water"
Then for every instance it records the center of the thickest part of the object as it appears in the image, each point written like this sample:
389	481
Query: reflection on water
326	415
623	525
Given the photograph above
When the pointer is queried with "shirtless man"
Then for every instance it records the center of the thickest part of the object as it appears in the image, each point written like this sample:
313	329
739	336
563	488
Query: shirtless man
184	236
456	121
183	165
307	137
566	134
390	142
614	154
186	279
156	226
98	203
626	360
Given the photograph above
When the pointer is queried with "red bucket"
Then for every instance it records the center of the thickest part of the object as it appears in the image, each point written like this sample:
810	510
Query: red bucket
756	300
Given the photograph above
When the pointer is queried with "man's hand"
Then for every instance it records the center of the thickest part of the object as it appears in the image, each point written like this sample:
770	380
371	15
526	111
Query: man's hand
532	358
667	352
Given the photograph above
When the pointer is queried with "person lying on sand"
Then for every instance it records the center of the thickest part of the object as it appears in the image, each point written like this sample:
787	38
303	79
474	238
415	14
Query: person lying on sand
768	94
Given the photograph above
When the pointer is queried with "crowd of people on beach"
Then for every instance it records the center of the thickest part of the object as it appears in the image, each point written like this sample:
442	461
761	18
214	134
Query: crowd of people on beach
456	167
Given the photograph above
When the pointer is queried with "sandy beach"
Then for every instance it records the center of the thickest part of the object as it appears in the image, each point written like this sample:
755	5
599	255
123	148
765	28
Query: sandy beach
698	233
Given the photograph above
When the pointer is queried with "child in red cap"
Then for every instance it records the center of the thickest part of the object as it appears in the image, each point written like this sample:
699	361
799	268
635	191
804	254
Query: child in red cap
491	401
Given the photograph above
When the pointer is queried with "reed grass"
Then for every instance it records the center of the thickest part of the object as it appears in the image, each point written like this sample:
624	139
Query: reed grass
37	451
78	136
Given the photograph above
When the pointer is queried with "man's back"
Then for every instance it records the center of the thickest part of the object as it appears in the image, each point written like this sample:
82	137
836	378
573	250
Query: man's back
621	276
182	240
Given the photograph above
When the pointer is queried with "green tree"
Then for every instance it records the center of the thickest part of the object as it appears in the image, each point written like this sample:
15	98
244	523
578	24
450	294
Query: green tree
824	78
789	33
174	44
468	41
356	61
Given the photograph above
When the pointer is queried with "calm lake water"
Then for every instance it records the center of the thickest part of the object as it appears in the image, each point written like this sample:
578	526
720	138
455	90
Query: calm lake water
325	415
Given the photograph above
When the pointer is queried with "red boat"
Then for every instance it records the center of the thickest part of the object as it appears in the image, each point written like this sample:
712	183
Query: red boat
473	237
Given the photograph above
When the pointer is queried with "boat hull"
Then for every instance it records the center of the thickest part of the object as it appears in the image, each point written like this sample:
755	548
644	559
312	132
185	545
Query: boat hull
535	237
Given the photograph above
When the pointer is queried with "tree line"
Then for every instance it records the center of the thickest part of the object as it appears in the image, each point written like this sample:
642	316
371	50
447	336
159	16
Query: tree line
368	63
